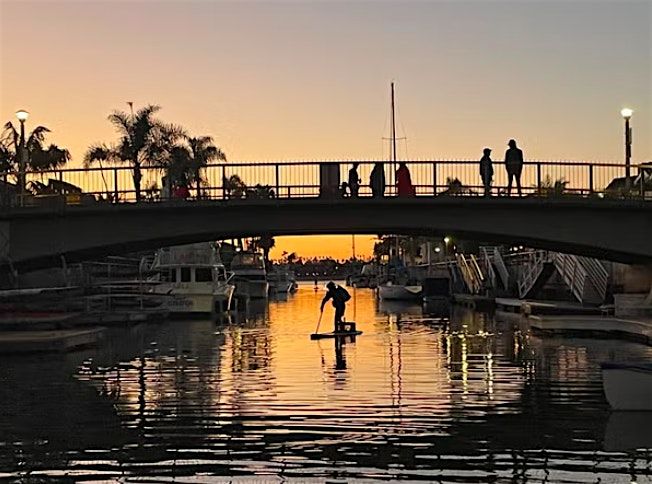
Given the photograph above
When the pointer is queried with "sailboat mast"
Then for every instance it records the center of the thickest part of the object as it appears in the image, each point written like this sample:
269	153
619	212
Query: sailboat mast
393	132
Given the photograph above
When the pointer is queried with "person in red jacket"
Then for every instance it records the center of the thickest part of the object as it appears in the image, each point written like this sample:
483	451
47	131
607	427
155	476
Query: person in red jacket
404	186
181	190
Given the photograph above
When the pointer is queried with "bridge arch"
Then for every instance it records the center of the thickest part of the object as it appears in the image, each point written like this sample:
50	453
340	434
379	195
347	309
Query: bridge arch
613	230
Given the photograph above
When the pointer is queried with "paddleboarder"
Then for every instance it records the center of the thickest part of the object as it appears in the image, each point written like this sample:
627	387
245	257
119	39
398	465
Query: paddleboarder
339	297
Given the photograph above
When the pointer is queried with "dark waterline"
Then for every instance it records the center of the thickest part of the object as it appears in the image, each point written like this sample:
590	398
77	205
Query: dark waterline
414	398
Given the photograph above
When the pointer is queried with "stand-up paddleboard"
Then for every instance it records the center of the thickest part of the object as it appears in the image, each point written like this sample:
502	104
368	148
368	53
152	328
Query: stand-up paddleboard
339	334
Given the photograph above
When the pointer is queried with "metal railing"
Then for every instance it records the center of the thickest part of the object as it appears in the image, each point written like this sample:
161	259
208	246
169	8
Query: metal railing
531	271
297	179
585	277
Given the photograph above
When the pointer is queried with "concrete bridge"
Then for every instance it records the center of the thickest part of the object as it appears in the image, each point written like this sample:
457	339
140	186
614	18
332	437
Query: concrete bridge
37	237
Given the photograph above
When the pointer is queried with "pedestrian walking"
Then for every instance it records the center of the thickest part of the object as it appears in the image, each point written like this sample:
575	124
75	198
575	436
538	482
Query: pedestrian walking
486	171
377	181
514	166
404	187
354	180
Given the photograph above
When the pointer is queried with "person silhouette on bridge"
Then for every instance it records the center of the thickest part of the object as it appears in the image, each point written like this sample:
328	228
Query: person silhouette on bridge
486	171
377	181
404	187
514	166
339	297
354	180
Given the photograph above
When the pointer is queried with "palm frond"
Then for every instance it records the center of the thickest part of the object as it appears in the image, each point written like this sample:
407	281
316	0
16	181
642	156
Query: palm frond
10	134
98	153
48	159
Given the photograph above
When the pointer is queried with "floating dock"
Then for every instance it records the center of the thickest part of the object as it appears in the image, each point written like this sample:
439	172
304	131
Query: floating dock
527	307
639	330
60	340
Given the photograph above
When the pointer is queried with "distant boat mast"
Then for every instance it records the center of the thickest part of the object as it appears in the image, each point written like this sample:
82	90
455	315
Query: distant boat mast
393	147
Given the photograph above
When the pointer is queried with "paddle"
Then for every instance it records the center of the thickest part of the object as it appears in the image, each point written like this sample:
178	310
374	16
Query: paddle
319	322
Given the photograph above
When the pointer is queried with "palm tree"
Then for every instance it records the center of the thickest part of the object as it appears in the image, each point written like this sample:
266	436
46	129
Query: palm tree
39	157
139	143
265	242
202	152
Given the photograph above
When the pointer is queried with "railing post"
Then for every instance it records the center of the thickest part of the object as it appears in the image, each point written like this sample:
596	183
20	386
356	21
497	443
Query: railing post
434	178
276	171
224	182
538	176
115	185
590	178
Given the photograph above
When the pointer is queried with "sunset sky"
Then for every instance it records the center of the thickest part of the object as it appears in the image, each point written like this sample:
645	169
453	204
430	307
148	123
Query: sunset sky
310	80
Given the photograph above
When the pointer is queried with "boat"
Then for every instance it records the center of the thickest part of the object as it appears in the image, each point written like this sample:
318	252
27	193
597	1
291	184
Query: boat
280	281
391	291
368	277
628	386
250	277
195	278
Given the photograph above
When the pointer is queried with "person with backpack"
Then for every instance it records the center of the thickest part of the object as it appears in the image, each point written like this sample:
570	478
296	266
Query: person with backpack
339	297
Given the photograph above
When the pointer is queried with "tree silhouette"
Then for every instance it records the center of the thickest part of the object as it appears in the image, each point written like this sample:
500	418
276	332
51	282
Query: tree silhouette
39	157
143	141
202	152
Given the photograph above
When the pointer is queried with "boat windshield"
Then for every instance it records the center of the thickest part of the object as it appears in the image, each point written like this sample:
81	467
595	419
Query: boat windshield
247	260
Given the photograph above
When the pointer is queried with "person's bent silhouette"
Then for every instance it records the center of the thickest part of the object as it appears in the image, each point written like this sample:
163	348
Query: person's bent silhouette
339	297
514	166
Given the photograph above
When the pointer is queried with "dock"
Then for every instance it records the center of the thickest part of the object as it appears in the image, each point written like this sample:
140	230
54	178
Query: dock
531	307
639	330
62	340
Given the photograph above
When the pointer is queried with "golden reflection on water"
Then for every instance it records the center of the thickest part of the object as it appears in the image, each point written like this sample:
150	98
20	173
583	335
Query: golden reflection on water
414	396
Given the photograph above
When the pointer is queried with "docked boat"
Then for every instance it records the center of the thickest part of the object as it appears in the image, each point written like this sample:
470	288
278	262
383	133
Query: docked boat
250	277
390	291
195	278
280	281
368	277
628	386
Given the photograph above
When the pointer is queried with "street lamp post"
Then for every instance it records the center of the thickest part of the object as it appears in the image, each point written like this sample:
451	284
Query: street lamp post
22	116
626	113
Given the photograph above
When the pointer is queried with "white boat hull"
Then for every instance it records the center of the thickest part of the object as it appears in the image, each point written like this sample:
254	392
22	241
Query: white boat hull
628	387
399	292
182	302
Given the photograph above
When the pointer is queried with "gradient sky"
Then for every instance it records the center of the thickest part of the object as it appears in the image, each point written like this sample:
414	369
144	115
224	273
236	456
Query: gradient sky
310	80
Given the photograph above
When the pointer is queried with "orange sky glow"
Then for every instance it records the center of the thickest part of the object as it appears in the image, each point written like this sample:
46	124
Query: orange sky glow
310	80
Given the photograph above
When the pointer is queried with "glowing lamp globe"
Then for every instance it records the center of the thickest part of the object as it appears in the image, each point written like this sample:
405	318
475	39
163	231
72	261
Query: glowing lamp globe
22	115
626	113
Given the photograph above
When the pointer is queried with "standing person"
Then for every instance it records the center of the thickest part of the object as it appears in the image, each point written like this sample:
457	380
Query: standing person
377	180
166	189
514	166
181	190
354	180
339	297
486	171
404	187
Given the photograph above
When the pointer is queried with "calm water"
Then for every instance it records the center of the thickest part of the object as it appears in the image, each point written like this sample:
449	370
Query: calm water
459	399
